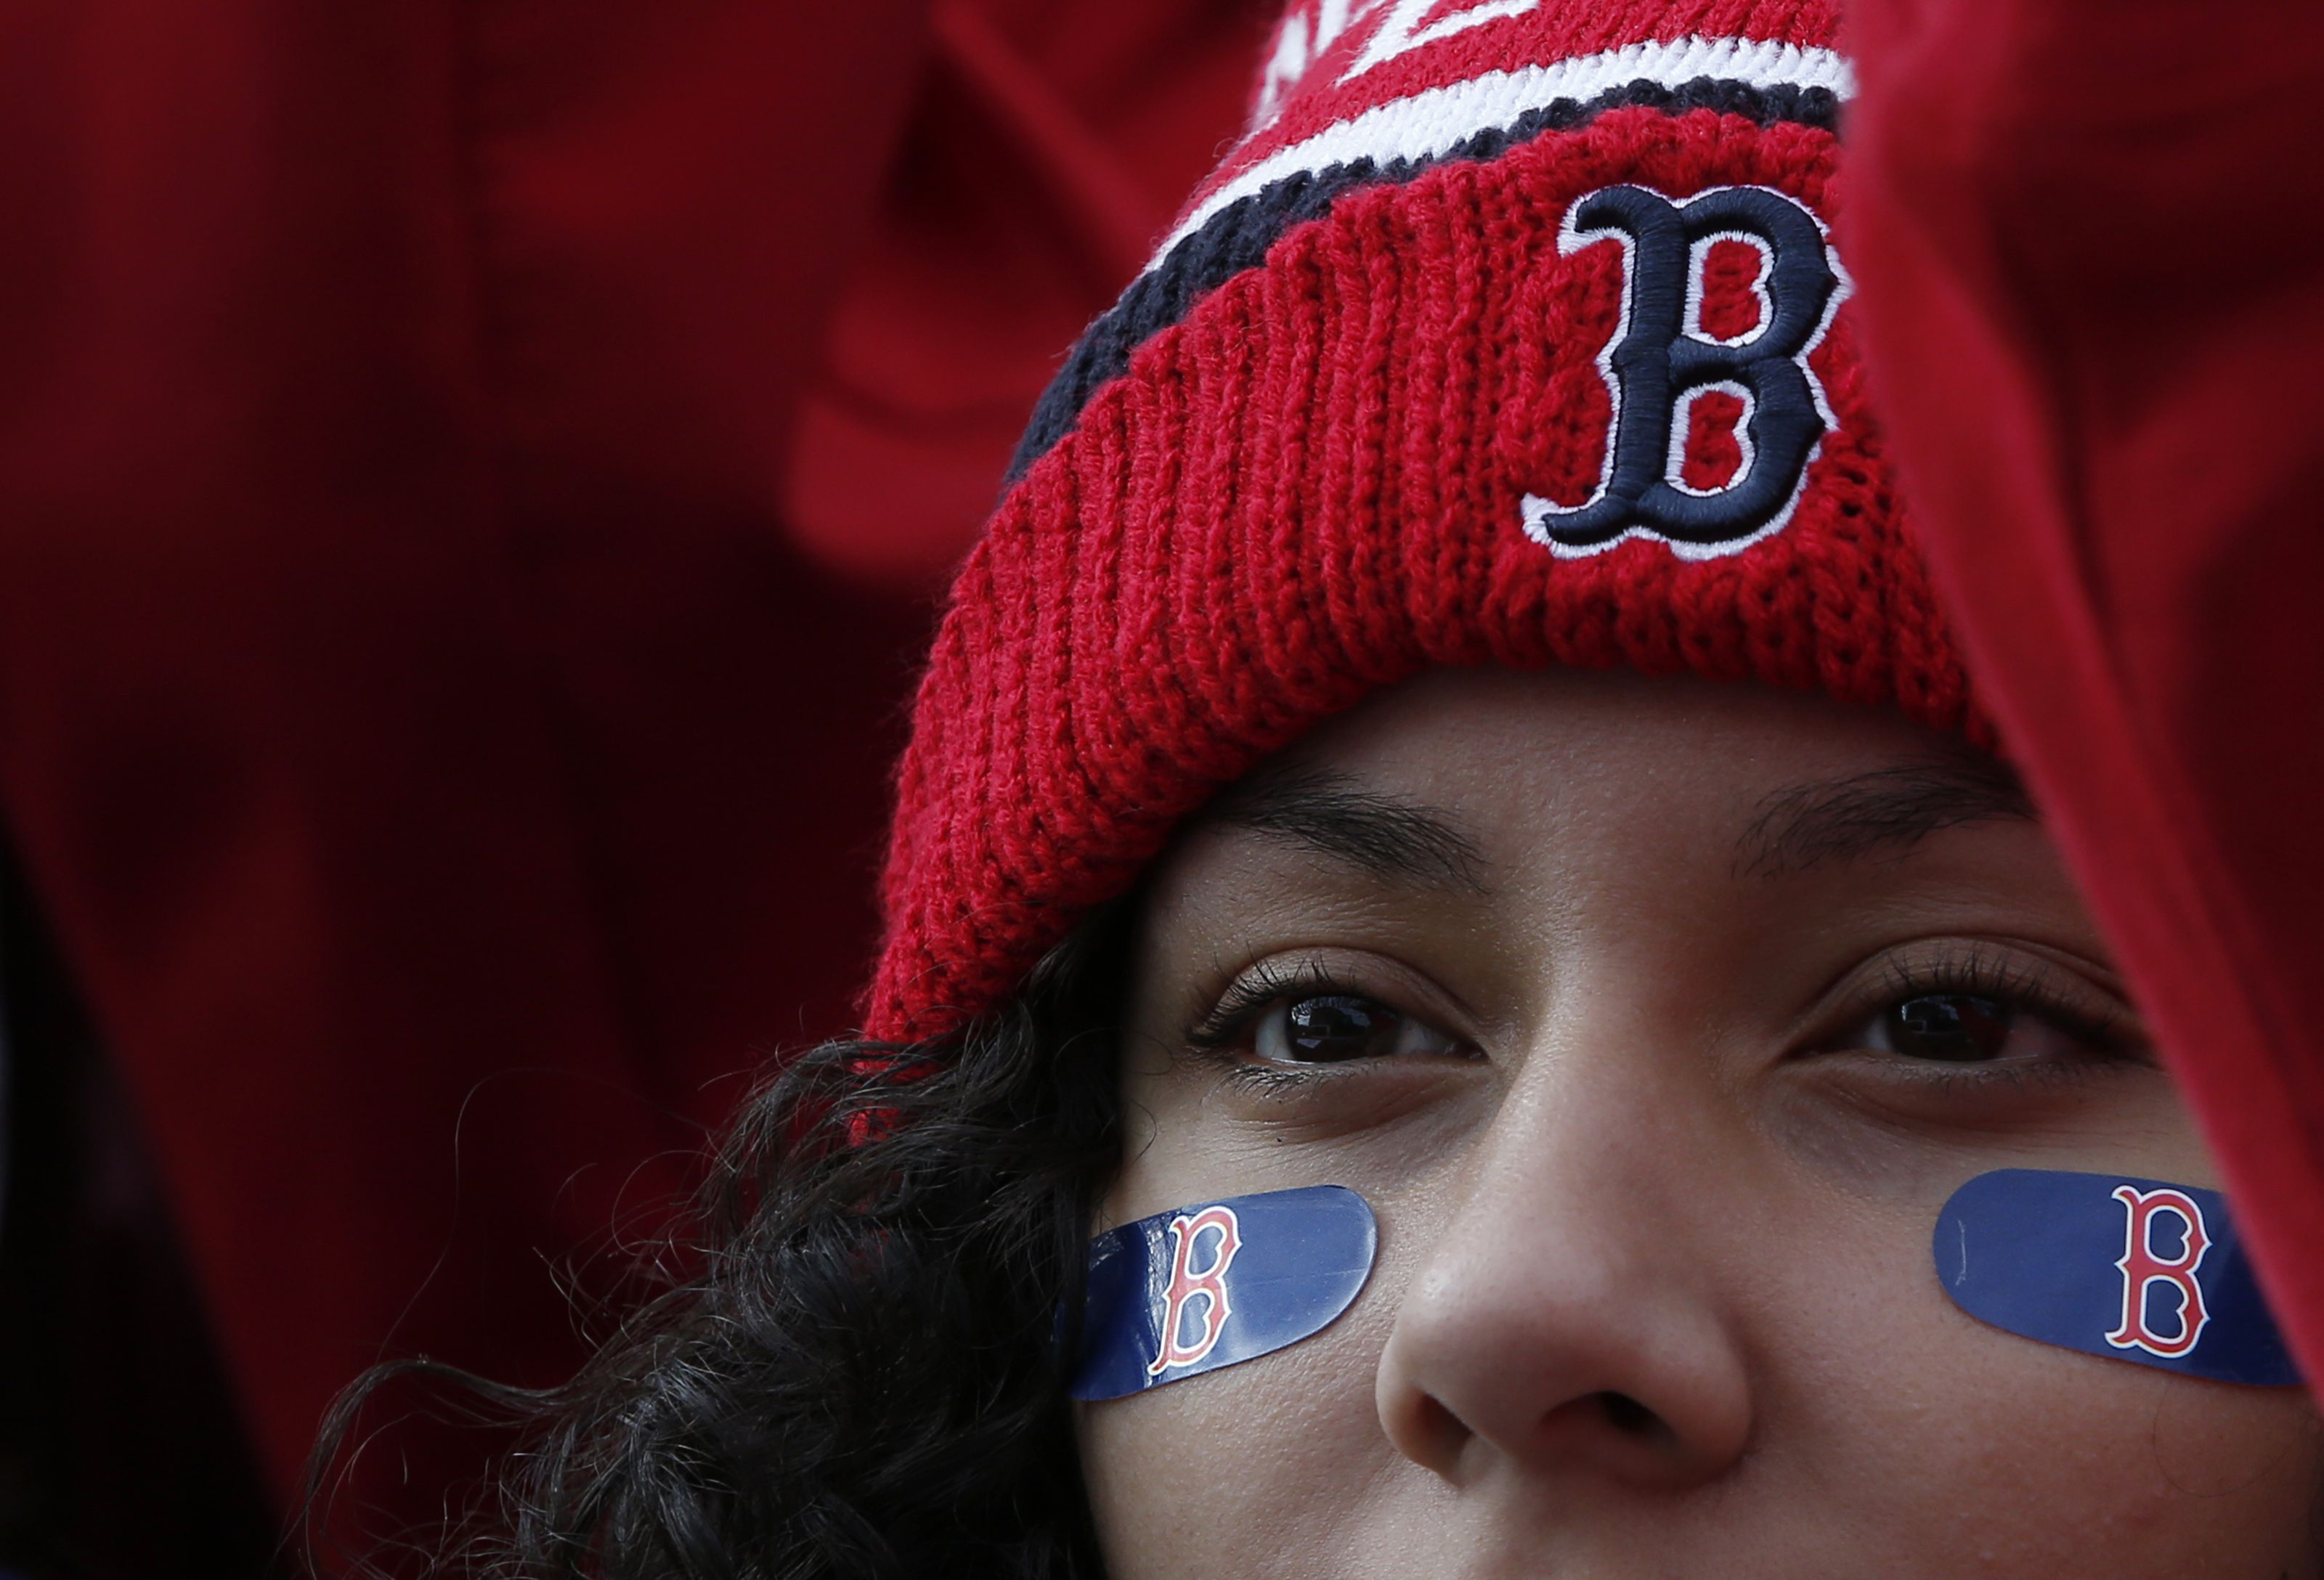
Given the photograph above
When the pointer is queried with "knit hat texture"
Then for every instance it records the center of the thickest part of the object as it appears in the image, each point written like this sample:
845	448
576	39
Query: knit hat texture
1512	333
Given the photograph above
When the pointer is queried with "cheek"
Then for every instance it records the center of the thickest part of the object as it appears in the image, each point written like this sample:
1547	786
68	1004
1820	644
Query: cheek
1276	1468
2141	1473
1264	1468
2039	1461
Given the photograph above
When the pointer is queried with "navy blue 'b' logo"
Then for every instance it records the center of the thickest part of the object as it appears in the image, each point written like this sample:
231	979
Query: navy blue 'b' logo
1662	360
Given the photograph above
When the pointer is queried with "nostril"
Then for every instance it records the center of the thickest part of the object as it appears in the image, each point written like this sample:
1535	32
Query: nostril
1425	1430
1442	1432
1630	1418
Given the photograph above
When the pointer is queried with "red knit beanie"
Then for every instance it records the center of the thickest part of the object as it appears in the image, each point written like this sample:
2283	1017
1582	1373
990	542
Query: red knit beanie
1512	333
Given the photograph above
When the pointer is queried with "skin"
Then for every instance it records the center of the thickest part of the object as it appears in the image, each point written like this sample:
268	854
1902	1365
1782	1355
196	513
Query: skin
1654	1183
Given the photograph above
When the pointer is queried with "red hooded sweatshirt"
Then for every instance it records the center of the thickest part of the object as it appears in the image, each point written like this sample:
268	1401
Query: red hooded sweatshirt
2089	235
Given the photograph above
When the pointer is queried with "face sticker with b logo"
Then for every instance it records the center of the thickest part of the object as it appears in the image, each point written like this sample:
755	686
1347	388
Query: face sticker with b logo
2134	1270
1188	1292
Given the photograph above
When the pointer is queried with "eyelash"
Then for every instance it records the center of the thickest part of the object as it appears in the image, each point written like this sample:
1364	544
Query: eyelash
1974	970
1258	990
1229	1024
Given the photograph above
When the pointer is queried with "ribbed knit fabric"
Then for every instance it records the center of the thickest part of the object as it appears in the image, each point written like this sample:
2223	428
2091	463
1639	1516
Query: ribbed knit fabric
1331	436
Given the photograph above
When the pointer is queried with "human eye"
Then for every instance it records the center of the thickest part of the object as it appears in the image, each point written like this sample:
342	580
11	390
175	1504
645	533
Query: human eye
1299	1016
1976	1008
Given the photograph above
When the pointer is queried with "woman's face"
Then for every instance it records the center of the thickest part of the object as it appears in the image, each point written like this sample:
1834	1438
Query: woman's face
1656	1020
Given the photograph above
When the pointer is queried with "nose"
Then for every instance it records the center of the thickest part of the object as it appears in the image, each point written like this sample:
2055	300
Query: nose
1561	1324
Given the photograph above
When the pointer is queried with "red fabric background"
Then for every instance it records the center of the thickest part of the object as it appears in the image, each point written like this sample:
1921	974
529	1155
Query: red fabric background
475	472
2088	233
471	474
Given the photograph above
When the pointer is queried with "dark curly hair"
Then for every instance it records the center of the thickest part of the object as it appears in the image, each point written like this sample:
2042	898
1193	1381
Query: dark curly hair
863	1379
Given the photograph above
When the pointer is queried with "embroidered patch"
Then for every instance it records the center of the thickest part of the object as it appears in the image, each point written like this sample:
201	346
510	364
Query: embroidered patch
2134	1270
1715	413
1181	1293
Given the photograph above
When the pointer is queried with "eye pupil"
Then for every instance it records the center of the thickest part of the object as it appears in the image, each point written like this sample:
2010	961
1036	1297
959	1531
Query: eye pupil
1338	1027
1951	1026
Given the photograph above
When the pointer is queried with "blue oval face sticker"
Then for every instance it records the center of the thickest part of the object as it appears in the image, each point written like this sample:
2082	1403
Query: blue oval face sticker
1188	1292
2134	1269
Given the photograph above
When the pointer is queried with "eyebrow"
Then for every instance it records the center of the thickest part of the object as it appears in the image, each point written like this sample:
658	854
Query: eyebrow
1399	842
1883	812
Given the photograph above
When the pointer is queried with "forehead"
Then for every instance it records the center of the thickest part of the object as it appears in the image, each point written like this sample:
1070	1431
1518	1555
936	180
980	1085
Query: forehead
1476	777
1564	724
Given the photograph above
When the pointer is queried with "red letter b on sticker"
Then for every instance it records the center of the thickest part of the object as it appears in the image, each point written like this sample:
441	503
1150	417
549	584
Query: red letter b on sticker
2141	1269
1186	1283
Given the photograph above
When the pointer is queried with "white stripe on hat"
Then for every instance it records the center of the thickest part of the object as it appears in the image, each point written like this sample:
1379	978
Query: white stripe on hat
1434	122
